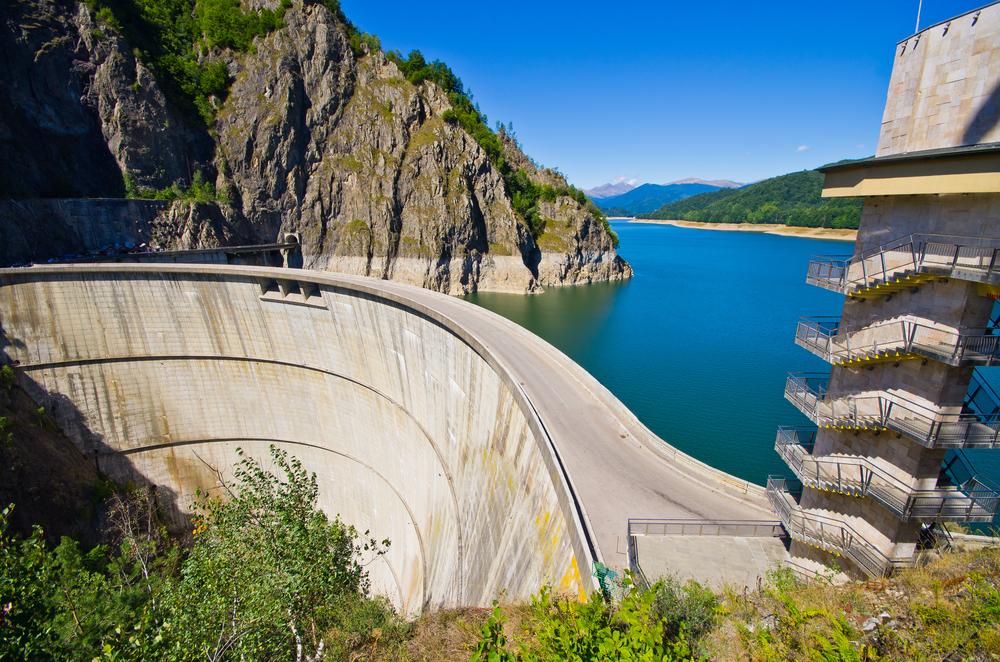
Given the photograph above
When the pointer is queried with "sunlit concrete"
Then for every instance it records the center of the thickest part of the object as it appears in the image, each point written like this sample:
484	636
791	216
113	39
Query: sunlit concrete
489	459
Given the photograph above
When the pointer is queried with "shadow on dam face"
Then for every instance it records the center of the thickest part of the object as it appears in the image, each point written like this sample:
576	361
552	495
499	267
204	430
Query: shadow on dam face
414	431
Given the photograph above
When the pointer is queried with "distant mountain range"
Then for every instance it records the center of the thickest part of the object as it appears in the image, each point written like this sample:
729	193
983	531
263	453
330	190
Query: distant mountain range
792	199
718	183
627	199
610	189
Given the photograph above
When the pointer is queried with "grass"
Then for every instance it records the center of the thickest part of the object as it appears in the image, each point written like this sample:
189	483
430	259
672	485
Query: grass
948	609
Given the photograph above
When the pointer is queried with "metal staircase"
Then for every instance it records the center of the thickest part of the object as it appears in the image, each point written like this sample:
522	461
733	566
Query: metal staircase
826	533
975	425
960	496
897	340
907	262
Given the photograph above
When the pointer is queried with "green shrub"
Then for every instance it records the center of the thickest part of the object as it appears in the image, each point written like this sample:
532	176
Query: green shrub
690	606
565	629
107	17
6	377
267	572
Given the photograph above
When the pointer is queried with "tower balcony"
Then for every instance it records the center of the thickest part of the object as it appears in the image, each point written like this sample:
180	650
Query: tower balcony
976	424
907	262
897	340
827	533
959	497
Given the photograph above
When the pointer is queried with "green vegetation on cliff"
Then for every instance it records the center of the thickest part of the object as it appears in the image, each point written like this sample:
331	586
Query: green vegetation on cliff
180	40
525	193
185	44
792	199
199	191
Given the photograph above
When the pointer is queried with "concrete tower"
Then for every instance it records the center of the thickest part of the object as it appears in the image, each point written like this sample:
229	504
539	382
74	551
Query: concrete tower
903	401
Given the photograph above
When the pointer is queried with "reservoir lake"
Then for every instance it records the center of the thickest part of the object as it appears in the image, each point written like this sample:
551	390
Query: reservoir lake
699	342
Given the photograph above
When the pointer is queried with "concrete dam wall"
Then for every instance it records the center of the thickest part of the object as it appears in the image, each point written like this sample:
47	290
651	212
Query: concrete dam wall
414	432
491	461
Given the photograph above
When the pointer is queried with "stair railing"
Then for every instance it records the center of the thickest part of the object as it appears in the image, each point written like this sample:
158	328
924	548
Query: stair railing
924	253
961	495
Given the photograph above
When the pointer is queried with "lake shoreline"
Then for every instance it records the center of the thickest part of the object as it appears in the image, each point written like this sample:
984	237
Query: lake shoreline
834	234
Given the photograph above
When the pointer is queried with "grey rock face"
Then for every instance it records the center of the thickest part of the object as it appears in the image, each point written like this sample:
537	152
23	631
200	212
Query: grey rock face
361	164
342	150
77	109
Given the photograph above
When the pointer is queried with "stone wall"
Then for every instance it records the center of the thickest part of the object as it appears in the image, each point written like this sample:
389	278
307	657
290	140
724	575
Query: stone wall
945	86
415	433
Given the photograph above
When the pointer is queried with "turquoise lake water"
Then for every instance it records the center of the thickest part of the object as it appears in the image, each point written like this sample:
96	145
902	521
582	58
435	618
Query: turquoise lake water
699	342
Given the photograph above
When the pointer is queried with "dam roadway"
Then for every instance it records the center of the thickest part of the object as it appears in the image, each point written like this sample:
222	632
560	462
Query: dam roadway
605	466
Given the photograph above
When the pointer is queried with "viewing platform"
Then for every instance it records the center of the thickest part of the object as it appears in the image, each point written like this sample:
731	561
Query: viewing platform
900	339
907	262
960	496
742	550
975	425
828	533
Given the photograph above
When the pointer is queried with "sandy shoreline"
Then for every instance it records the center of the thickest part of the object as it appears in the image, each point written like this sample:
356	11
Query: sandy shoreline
767	228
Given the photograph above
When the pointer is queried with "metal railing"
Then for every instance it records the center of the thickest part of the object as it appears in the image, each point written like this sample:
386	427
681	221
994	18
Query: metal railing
966	258
704	527
828	533
961	495
640	526
977	425
824	337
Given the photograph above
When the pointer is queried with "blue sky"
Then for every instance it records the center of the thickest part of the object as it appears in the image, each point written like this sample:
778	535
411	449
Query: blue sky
661	90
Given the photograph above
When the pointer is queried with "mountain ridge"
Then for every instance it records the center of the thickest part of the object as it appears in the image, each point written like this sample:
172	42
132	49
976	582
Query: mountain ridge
649	197
610	189
720	183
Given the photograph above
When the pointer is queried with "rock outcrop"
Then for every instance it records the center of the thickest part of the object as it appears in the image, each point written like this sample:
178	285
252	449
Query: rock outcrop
78	111
338	148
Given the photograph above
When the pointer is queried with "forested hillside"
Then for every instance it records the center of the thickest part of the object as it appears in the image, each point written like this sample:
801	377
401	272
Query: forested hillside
792	199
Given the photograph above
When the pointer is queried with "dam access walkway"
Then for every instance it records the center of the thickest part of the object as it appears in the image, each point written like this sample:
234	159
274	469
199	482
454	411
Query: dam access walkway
616	469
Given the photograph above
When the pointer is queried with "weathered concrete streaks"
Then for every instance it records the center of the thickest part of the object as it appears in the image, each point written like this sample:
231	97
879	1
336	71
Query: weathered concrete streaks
165	375
491	461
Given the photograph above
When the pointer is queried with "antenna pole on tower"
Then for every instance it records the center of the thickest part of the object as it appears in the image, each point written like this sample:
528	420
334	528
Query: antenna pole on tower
920	4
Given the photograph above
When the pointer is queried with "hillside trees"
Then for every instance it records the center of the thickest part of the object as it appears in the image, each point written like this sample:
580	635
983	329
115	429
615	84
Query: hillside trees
524	192
792	199
267	576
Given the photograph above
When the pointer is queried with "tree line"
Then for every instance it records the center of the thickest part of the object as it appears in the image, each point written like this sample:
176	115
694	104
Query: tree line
792	199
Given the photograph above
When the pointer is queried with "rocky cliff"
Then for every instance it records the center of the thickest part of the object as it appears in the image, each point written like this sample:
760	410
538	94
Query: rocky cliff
318	139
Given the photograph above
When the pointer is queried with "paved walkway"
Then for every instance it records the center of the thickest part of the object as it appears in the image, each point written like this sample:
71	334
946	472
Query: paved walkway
617	467
712	560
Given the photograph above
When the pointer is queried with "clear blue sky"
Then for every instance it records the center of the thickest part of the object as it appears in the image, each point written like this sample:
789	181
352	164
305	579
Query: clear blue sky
661	90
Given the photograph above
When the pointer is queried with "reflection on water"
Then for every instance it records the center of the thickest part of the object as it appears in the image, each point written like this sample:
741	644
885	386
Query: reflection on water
572	318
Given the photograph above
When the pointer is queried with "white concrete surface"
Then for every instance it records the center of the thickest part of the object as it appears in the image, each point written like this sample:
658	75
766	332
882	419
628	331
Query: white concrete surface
491	460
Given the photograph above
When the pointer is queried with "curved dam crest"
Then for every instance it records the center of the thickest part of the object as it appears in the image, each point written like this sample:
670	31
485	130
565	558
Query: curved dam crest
490	460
